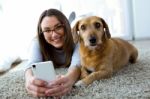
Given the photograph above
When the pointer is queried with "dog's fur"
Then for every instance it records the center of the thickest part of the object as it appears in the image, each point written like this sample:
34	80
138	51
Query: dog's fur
101	55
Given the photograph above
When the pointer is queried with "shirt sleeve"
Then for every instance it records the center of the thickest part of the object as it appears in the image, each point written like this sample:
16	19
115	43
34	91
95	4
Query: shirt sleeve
34	53
75	62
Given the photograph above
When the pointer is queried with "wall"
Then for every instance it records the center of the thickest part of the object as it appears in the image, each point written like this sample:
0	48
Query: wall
141	18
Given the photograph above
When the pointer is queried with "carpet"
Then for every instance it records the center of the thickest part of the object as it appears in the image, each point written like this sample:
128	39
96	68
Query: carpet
132	82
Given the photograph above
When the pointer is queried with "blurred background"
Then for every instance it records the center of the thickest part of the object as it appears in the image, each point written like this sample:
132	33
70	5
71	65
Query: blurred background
128	19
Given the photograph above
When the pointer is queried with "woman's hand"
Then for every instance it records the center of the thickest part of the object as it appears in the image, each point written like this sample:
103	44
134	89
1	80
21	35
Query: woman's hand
59	87
34	86
63	84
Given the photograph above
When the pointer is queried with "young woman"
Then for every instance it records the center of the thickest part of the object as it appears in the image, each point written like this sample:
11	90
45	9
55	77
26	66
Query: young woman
54	42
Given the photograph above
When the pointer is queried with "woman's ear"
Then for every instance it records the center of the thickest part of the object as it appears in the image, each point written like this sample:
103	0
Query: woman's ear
106	29
75	31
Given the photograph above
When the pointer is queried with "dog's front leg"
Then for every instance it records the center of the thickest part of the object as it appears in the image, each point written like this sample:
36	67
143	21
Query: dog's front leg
97	76
94	76
84	73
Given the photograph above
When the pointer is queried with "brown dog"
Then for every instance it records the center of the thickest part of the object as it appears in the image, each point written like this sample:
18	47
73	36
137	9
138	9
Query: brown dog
101	55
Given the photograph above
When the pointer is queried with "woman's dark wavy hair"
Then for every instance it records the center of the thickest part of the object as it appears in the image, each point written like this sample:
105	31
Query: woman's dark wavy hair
68	41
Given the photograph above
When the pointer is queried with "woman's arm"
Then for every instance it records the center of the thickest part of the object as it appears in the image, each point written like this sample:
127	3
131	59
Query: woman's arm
74	74
34	86
34	53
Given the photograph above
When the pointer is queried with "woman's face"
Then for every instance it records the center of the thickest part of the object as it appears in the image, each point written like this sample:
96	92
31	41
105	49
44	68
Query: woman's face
53	31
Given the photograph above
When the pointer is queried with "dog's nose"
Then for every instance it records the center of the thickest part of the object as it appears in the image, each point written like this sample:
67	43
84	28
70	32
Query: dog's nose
92	40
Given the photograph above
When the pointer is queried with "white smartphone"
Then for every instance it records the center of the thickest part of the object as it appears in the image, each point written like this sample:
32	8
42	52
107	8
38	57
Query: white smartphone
44	71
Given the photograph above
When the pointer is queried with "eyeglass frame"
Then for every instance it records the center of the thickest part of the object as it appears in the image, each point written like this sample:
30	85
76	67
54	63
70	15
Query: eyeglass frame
56	29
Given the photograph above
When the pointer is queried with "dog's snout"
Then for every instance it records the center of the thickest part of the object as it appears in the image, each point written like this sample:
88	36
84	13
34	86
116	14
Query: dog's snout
93	40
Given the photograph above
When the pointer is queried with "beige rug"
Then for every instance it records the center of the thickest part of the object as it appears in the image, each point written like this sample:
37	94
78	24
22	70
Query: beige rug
132	82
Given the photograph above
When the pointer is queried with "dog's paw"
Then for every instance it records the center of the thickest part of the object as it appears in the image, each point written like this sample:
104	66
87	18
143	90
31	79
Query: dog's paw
80	83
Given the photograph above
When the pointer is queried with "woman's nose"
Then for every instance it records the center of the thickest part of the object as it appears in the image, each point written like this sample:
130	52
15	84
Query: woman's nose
53	34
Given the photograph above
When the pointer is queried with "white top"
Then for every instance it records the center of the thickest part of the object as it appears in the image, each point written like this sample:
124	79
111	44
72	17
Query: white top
35	55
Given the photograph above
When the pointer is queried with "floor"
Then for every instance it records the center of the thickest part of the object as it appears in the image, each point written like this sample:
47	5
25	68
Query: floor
142	43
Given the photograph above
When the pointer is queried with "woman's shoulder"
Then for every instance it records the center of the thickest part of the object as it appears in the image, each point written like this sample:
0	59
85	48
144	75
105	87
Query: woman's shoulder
76	47
35	42
34	45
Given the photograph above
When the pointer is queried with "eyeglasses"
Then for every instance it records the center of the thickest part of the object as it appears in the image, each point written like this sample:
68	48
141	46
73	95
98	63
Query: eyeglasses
58	29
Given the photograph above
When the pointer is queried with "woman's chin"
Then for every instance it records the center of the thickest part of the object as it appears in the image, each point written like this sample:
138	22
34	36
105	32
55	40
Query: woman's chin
58	46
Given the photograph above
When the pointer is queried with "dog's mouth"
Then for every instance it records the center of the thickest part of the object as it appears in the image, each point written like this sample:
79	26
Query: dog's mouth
93	44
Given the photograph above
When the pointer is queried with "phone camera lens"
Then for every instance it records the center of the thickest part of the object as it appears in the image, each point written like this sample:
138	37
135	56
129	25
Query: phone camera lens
34	66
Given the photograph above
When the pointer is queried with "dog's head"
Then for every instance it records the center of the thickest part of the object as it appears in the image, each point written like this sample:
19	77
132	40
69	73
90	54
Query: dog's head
92	31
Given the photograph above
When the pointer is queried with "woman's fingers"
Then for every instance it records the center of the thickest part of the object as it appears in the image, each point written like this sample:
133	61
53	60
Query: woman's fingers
59	87
54	90
58	81
61	93
36	94
59	90
37	89
38	82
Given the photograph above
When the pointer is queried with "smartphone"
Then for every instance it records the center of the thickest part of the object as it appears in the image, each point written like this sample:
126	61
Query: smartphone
44	71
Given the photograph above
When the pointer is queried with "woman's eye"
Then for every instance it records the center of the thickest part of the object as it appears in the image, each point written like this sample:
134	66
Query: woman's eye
58	27
97	25
83	27
46	31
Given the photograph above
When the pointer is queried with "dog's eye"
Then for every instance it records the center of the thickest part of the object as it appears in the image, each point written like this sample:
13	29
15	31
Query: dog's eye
97	25
83	27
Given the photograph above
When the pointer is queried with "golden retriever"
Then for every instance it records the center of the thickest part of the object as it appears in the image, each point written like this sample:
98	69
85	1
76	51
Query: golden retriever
101	55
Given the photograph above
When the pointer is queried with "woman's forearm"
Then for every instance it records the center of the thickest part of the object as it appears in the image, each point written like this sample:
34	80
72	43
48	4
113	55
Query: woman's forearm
74	74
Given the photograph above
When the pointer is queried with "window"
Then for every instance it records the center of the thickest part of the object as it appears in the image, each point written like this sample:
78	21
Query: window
115	12
19	21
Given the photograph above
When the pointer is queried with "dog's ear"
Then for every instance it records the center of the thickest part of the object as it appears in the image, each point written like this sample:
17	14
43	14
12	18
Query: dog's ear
106	29
75	32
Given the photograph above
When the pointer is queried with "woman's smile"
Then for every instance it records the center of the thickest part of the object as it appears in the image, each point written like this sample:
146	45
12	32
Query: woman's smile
57	40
